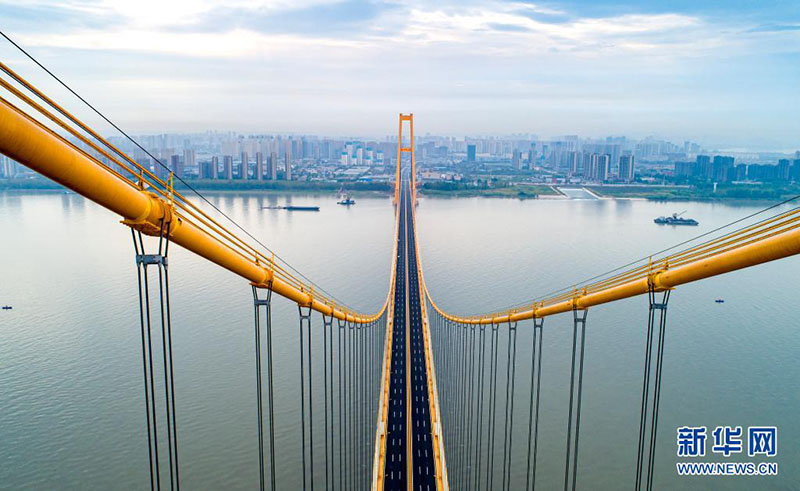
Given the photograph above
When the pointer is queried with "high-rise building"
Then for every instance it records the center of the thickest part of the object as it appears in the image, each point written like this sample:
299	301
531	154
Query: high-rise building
471	153
259	166
243	165
721	167
598	167
740	172
273	166
626	165
214	167
516	159
704	167
603	167
349	148
9	168
686	169
287	167
189	159
784	166
175	165
573	161
227	166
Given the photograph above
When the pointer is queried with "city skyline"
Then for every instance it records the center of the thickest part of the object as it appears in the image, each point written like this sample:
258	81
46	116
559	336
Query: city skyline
724	76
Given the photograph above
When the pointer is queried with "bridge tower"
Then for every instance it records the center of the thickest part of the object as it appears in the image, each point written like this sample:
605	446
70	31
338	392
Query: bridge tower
400	151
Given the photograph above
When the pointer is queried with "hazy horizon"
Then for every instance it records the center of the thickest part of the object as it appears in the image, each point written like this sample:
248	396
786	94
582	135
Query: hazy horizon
723	76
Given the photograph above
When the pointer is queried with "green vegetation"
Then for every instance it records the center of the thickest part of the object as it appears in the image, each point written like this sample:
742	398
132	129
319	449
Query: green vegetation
287	186
728	192
452	188
37	182
41	183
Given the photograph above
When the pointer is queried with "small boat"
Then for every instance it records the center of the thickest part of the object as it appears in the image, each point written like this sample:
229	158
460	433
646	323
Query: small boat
719	300
7	307
676	219
345	199
291	208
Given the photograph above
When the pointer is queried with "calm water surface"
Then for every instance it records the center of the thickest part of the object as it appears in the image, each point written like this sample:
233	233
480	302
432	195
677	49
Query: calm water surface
71	398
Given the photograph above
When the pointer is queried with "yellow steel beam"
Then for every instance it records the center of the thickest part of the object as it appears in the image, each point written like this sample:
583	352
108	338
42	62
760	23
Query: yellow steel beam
379	459
25	140
437	440
771	248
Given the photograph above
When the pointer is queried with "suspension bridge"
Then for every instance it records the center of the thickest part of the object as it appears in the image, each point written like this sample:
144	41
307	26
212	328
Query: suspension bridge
412	396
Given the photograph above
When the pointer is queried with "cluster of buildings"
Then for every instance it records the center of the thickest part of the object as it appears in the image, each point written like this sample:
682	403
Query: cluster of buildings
723	168
229	156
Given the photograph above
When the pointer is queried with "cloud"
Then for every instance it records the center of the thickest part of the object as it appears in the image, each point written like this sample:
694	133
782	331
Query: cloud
237	43
269	63
775	28
507	27
347	17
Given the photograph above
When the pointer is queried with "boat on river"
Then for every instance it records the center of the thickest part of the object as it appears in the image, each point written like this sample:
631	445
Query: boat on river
676	219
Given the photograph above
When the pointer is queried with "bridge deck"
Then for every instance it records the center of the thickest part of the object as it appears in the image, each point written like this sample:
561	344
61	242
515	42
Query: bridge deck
409	457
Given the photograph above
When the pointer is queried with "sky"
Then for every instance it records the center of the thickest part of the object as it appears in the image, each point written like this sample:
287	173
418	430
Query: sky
725	73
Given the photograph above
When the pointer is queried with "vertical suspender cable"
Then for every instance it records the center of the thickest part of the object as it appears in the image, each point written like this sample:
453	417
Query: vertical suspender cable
165	360
362	403
509	424
271	394
470	388
479	427
645	390
340	382
326	321
657	388
160	261
571	397
357	404
169	374
492	407
579	317
259	407
144	306
460	413
350	411
578	409
302	400
267	304
536	381
310	408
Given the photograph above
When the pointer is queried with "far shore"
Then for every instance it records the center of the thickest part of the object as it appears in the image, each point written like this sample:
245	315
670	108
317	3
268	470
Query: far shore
764	195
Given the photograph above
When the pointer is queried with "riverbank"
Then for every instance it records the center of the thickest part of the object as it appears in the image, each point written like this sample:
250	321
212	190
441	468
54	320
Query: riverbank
518	191
219	186
728	193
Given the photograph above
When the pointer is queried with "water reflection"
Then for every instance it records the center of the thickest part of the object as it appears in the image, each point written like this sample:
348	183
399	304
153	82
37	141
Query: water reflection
70	374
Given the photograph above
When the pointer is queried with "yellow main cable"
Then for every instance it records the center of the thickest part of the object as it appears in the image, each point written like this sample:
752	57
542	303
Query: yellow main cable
296	289
159	183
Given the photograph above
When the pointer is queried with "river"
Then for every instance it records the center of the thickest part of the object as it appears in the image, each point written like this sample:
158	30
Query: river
71	397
